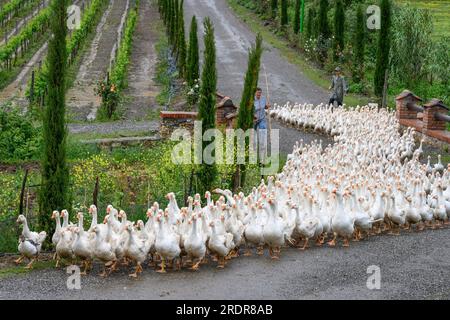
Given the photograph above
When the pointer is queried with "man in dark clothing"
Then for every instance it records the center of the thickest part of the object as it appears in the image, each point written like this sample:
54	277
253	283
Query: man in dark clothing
339	87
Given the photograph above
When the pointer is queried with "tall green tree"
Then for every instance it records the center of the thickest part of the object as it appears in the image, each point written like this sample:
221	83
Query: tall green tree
324	28
54	191
193	72
339	22
172	18
324	31
175	26
181	41
274	8
207	105
359	45
298	7
247	108
310	22
384	46
411	45
284	13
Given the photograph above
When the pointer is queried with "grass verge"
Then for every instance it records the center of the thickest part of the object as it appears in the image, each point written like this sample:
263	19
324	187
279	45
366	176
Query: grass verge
20	270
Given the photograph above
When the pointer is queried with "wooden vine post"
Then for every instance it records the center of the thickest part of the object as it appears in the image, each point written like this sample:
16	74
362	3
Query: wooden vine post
22	191
95	194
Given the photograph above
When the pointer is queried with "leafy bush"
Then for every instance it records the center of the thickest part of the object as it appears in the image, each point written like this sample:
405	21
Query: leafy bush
19	138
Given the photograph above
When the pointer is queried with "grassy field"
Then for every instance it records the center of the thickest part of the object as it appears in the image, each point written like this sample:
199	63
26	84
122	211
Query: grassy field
440	10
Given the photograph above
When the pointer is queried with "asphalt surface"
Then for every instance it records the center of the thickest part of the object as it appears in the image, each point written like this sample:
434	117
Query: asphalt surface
414	265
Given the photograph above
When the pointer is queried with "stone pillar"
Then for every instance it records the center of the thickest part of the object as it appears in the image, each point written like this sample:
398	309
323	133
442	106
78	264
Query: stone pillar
429	120
402	101
223	109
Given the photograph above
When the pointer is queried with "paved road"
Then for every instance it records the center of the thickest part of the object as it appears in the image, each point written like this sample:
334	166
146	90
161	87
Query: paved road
414	265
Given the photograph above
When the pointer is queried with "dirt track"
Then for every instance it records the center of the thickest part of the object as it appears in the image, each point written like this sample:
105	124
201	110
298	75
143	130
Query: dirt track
82	102
142	90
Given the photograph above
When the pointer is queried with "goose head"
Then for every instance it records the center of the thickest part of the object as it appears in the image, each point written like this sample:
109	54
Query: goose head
55	214
21	219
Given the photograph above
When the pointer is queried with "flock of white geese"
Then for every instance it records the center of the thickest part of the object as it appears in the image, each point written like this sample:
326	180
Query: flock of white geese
368	182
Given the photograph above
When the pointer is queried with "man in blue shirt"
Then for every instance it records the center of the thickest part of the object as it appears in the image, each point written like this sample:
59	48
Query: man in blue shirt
260	124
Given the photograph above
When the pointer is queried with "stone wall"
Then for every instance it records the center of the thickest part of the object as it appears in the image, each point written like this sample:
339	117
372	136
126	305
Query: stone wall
172	120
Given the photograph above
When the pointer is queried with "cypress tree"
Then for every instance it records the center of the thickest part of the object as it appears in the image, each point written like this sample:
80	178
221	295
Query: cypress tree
181	42
171	19
324	30
310	22
175	27
55	174
247	108
298	4
284	12
207	105
167	15
359	41
339	21
384	45
193	55
274	8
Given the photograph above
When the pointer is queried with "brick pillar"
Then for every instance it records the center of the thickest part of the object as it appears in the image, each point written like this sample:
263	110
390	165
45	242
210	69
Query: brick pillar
402	101
429	120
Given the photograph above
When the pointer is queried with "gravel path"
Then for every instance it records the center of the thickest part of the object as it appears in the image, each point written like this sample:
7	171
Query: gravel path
82	102
142	89
128	126
412	266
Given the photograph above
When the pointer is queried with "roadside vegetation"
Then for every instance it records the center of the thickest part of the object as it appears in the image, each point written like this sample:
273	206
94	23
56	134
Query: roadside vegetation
423	68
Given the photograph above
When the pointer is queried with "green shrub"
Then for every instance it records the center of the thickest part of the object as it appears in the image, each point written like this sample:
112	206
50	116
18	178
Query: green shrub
19	138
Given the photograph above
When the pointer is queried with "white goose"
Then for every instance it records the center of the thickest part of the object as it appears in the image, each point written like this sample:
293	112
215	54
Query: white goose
83	246
194	244
30	243
166	243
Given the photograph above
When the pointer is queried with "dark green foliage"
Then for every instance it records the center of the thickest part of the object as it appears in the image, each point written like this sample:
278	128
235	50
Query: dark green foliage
296	26
193	55
359	45
246	109
310	22
274	8
172	13
174	27
284	13
19	139
181	42
339	22
324	29
208	172
384	45
55	173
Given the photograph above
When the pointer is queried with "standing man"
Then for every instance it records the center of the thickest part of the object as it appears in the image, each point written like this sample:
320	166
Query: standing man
260	125
339	87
